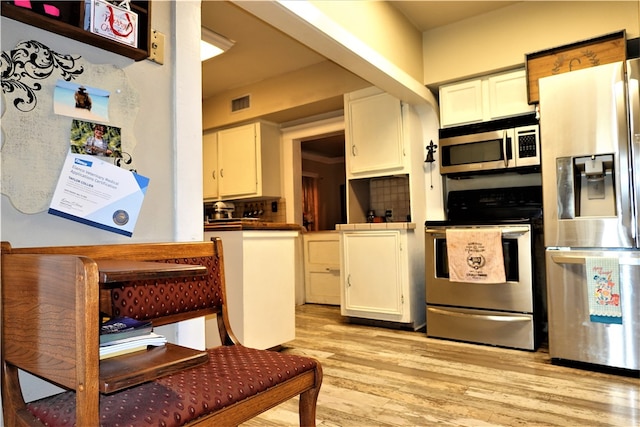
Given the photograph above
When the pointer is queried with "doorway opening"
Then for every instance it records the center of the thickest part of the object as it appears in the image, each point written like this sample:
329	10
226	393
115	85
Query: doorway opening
310	201
323	182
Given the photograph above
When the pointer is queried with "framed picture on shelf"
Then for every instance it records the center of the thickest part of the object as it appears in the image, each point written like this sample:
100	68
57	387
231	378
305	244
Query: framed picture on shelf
575	56
114	21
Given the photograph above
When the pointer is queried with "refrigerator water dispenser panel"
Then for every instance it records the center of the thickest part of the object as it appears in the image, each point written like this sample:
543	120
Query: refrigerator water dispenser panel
597	185
594	173
586	186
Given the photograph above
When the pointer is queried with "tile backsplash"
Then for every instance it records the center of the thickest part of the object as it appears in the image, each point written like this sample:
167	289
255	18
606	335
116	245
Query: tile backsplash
391	193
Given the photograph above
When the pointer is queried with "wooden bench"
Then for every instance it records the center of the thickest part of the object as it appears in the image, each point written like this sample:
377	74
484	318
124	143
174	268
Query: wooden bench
51	303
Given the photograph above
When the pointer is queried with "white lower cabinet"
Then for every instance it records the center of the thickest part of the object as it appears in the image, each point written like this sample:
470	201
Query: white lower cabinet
322	267
260	277
375	275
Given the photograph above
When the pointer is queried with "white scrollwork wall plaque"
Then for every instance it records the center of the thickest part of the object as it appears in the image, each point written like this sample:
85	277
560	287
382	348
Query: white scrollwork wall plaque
35	140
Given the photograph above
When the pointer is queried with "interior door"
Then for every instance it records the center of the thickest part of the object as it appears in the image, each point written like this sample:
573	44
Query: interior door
322	268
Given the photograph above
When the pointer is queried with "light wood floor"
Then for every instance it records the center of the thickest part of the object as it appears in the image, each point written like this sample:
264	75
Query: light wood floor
384	377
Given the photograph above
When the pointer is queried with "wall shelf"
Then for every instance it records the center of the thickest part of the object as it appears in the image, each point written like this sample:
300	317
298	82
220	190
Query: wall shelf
132	369
114	271
70	24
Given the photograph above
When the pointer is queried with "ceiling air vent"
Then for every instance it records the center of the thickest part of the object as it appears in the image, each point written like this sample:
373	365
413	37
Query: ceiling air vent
241	103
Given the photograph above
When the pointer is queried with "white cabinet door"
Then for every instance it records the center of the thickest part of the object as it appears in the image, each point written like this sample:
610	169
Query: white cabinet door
242	162
210	166
373	275
461	103
322	267
237	161
488	98
508	95
373	134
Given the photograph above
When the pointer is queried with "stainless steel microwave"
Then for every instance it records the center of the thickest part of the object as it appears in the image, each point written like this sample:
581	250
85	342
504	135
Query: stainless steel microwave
507	148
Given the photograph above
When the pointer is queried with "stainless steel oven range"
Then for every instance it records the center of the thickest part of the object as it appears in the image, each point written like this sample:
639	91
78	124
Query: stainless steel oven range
508	314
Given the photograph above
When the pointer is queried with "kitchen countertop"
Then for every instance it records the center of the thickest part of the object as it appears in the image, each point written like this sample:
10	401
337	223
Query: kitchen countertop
234	224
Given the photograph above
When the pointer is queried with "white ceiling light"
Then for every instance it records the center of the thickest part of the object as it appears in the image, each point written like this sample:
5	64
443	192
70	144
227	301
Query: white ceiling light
213	44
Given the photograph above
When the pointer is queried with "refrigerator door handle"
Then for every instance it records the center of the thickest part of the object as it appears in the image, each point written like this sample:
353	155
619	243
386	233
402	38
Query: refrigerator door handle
480	316
633	100
575	259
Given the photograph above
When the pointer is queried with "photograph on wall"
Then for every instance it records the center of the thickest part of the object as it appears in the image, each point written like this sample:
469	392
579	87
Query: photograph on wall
95	139
81	101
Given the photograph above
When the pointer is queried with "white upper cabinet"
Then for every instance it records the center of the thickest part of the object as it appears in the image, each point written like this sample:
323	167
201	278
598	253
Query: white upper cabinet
210	165
461	103
242	162
483	99
508	95
238	161
374	134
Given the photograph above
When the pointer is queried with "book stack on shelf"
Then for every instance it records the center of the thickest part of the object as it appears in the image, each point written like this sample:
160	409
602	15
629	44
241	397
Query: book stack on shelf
122	335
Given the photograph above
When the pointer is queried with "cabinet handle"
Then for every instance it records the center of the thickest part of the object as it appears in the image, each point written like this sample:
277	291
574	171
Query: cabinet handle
213	174
349	280
221	173
329	269
354	150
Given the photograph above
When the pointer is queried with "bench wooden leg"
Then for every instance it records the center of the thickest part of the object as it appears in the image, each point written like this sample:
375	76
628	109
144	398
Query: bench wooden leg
14	409
308	401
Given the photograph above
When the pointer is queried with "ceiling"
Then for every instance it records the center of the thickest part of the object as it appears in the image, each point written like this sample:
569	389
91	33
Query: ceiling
261	52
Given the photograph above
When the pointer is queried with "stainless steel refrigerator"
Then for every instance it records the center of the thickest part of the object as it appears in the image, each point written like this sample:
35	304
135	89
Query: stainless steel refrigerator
590	136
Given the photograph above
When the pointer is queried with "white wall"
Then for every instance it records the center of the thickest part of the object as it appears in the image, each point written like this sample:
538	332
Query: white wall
381	26
164	143
168	130
501	39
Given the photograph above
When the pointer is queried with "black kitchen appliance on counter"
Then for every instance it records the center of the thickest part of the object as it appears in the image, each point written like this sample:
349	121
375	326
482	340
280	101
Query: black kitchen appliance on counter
509	314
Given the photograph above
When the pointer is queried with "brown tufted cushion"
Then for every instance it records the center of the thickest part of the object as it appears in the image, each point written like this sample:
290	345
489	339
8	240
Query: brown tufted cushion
147	299
232	373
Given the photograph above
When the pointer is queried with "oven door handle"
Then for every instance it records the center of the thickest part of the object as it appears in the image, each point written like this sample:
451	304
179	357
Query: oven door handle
506	231
480	316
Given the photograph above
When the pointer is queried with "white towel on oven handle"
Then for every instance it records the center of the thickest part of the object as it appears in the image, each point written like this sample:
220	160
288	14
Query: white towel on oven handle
475	255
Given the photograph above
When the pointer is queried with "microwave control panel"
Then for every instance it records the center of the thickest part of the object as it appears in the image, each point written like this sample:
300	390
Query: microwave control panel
528	145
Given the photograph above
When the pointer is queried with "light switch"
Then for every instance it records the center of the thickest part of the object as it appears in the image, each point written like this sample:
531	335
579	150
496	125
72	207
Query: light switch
157	47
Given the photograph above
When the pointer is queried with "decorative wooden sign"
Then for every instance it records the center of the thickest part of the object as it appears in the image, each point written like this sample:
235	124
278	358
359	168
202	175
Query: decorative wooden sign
576	56
117	23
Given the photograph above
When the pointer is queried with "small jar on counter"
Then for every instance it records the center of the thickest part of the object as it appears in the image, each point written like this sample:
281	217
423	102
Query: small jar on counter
370	216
